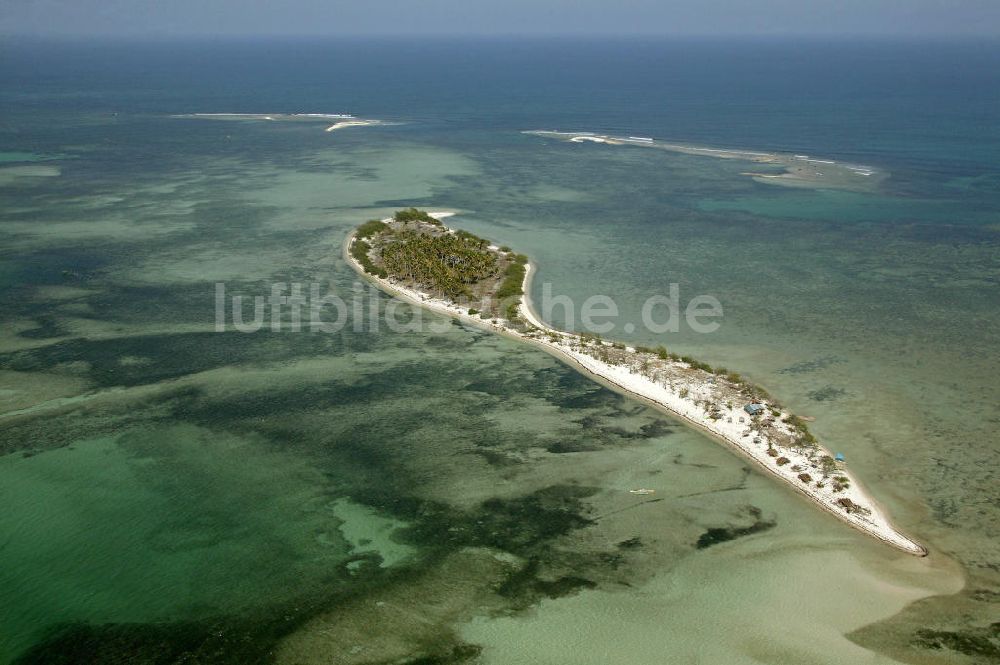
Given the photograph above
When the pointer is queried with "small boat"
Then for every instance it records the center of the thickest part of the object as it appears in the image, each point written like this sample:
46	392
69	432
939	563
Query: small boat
642	490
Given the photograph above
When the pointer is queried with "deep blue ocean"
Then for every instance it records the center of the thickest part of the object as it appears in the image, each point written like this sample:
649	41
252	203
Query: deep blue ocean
928	105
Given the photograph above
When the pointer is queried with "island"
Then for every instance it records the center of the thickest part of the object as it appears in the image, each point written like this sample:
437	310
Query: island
334	121
787	169
415	257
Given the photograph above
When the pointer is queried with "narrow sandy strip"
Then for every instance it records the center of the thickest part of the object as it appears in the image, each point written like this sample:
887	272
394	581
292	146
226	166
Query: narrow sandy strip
351	123
730	429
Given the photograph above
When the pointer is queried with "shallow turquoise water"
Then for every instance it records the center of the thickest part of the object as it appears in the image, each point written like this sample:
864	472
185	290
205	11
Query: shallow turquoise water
845	207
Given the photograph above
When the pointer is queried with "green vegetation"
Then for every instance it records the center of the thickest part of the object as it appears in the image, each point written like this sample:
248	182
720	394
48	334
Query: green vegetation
696	364
447	263
414	215
359	250
827	464
510	313
805	438
472	238
513	282
415	247
370	228
795	422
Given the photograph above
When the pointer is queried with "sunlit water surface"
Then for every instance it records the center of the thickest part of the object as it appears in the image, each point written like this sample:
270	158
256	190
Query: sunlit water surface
371	496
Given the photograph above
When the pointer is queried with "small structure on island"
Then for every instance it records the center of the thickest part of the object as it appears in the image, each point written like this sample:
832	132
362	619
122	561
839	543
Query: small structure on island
754	409
839	457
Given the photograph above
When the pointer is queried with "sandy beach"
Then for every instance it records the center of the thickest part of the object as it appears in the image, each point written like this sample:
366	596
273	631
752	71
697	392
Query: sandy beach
684	394
351	123
338	120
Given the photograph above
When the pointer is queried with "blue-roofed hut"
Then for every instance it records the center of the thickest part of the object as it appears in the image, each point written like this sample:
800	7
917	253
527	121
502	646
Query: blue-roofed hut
839	457
753	409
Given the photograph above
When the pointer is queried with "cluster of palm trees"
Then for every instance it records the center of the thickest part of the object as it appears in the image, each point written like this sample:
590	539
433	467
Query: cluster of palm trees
447	263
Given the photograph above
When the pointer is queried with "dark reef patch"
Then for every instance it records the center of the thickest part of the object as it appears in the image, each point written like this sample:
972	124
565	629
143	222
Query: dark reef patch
524	587
170	356
47	327
974	642
600	435
716	535
572	390
522	525
652	430
460	653
826	393
678	459
219	641
807	366
229	640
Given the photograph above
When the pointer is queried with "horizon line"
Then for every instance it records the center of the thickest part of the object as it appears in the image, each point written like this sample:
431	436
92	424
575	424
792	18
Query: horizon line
162	36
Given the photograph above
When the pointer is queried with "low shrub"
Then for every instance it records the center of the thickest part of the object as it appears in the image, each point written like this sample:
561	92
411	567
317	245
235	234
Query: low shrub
414	215
511	312
370	228
359	250
512	282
